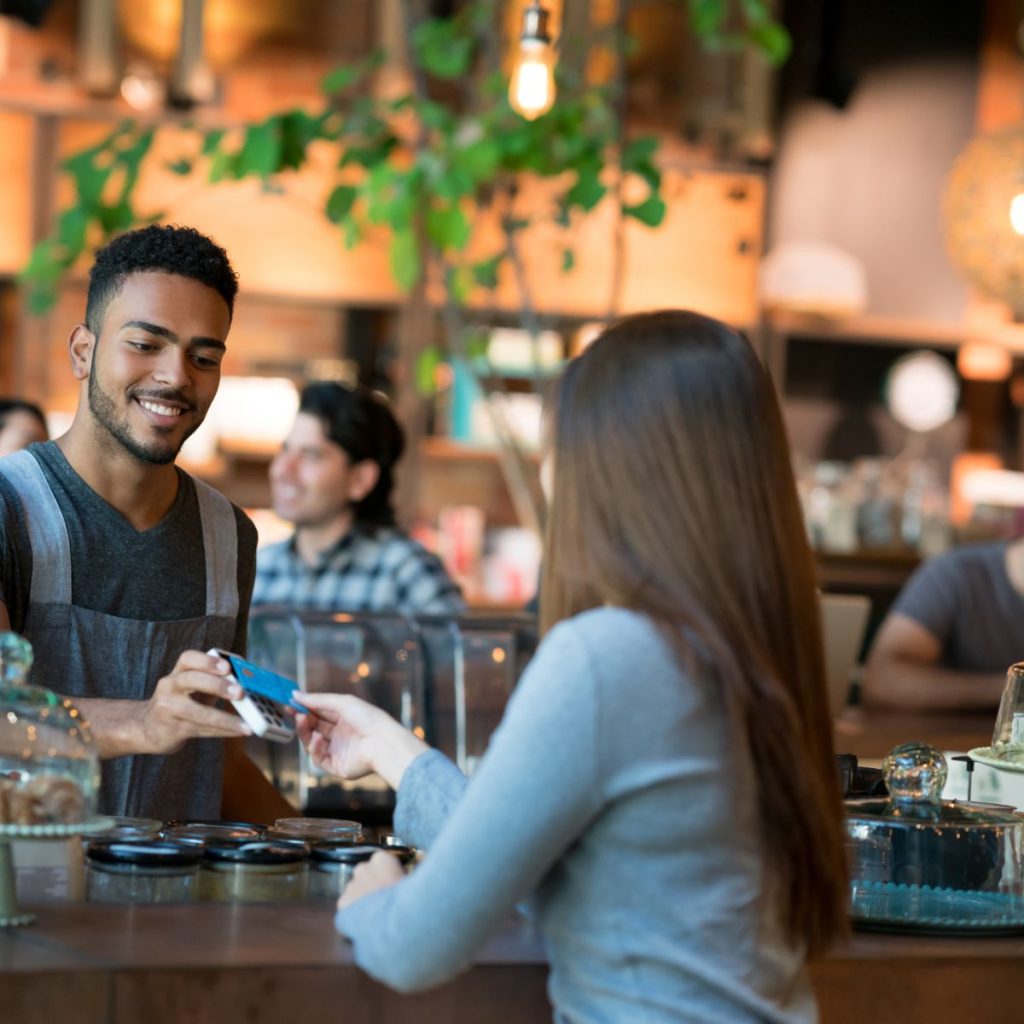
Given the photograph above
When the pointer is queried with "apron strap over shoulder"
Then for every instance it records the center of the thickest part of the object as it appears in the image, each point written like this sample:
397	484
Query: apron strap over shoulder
220	542
47	532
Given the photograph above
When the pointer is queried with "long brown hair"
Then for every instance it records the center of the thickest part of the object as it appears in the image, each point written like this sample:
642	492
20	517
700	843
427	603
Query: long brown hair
674	496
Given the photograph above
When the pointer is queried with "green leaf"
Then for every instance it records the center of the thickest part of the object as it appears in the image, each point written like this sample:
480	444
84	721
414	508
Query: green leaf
588	190
707	17
448	227
211	142
182	167
568	260
391	196
756	12
261	150
479	160
339	203
223	165
441	48
478	342
368	156
640	150
773	41
116	217
352	233
436	115
341	78
638	158
71	227
90	179
298	130
45	264
650	212
485	272
427	363
405	259
459	282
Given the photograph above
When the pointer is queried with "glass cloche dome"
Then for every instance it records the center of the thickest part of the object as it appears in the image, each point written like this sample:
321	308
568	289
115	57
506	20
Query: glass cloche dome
49	767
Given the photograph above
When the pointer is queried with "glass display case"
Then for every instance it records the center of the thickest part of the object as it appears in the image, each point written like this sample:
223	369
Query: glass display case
447	679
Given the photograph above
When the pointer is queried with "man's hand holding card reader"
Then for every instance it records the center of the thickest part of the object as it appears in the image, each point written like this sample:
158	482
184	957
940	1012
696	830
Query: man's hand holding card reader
265	698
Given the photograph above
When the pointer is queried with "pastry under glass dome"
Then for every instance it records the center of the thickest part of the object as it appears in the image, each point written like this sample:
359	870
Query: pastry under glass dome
49	766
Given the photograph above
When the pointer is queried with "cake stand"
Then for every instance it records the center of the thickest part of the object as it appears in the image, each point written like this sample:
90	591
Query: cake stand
9	914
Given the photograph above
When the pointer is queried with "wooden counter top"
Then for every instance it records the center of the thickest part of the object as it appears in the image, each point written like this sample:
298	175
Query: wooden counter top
872	734
210	964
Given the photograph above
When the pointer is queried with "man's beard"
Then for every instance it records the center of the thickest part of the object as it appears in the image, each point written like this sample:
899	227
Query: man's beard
103	408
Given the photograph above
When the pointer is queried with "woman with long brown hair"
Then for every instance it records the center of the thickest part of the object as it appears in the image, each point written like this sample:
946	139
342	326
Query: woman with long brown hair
662	783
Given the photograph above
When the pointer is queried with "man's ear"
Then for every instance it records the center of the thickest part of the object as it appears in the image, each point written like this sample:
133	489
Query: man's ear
362	478
81	346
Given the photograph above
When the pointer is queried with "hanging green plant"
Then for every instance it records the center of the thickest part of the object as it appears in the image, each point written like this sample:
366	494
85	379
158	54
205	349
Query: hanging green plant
426	183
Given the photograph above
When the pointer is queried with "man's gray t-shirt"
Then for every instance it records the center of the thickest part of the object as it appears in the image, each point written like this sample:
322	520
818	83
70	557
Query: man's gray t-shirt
137	600
966	601
157	574
615	795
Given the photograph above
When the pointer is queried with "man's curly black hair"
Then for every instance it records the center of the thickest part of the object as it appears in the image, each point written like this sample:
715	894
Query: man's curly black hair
165	248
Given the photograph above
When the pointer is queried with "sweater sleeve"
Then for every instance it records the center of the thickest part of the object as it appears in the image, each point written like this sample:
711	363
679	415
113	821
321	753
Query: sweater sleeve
534	793
430	789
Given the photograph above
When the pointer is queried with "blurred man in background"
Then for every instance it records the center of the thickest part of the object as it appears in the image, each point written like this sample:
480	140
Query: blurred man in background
333	480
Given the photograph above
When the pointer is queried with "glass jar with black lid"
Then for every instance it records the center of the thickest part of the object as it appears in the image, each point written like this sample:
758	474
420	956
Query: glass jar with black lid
141	872
205	833
333	864
317	830
254	872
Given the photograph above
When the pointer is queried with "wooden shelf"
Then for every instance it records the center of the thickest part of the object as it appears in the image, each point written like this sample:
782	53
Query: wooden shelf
444	448
880	330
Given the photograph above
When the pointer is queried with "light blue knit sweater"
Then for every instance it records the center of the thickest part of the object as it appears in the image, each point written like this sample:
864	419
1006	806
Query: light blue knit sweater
612	797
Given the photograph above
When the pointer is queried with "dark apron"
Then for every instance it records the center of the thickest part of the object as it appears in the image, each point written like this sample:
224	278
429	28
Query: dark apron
84	653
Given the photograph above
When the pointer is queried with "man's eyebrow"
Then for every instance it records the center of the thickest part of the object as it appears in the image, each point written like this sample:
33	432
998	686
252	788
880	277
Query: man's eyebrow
164	332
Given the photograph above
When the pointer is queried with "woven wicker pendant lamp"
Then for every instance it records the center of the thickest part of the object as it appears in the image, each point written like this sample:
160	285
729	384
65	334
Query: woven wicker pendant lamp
983	212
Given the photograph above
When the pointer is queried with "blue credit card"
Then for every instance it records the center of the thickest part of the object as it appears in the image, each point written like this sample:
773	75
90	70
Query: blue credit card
263	681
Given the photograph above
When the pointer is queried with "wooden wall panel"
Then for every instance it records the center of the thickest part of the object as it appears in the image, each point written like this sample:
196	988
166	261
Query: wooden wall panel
16	133
704	256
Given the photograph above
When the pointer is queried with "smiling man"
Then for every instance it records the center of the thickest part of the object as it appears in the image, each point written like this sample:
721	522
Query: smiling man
333	479
120	568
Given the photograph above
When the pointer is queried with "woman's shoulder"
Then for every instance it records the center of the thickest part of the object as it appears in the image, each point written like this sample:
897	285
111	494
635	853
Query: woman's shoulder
611	636
599	624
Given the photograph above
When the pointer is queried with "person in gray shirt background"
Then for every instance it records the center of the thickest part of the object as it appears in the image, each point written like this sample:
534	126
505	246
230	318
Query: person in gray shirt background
661	789
953	631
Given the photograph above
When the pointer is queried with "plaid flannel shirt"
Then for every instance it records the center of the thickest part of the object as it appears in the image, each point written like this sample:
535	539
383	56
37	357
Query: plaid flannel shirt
380	571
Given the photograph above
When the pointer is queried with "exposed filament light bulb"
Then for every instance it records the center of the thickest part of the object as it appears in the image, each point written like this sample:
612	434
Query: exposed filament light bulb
1017	213
532	87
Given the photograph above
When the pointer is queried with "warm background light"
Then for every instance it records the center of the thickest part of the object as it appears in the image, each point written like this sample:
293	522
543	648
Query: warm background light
978	360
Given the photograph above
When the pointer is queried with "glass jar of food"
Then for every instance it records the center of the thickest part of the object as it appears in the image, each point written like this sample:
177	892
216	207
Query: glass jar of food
331	865
317	830
127	830
147	872
204	833
255	872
